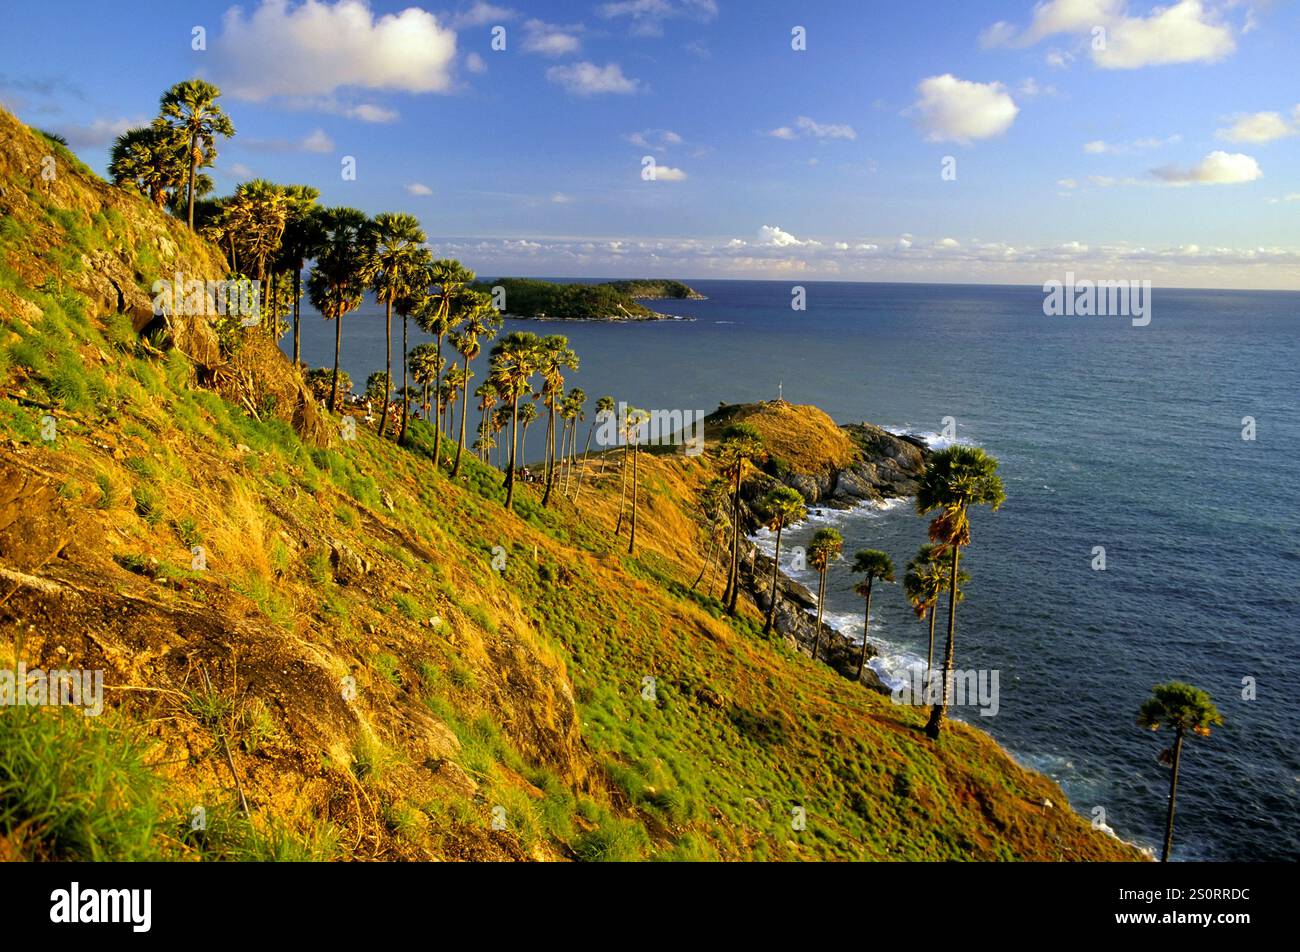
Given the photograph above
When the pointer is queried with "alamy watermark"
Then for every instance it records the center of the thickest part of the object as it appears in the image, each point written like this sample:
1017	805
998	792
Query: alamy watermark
238	297
1085	298
655	428
966	688
21	687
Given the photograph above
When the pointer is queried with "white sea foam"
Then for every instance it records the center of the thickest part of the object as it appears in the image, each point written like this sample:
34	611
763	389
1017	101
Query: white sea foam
931	438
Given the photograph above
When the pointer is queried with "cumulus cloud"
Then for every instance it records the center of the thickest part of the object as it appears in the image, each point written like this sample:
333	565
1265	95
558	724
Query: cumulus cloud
475	63
1261	127
775	237
647	16
315	48
547	39
1186	31
588	79
666	173
1217	168
418	188
952	109
809	128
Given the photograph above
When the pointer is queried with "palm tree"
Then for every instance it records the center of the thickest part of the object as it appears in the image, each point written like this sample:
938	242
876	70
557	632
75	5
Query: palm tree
439	313
424	363
500	421
453	382
825	547
487	398
741	444
571	411
604	407
527	416
514	359
394	257
420	276
480	319
301	240
555	356
635	420
149	159
337	282
782	506
955	479
924	580
260	209
873	564
1184	708
191	109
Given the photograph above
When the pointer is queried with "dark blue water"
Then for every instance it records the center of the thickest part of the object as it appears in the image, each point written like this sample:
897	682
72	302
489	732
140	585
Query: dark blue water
1108	435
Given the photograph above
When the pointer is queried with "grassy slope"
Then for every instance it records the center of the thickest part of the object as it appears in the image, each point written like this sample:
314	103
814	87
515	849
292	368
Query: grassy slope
477	688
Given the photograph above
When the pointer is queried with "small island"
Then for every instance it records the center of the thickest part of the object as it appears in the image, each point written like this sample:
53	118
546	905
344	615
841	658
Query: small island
531	298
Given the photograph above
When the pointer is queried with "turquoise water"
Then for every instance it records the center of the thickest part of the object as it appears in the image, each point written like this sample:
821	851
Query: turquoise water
1109	435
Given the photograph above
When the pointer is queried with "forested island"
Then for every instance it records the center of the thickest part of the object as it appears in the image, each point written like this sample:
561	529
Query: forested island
611	301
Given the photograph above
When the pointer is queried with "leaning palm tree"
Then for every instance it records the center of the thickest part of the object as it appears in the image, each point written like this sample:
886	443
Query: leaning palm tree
417	291
635	420
872	564
394	261
453	382
337	283
741	444
715	502
1183	708
604	409
955	479
825	547
479	319
513	360
191	109
924	581
782	507
556	355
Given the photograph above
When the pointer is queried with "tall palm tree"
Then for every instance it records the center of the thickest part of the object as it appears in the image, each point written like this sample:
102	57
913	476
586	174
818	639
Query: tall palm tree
1183	708
741	444
417	291
261	210
453	382
513	360
782	507
487	399
556	355
301	240
825	547
604	408
872	564
424	363
635	420
527	417
337	283
439	314
924	580
479	319
572	413
715	501
191	109
955	479
149	159
394	257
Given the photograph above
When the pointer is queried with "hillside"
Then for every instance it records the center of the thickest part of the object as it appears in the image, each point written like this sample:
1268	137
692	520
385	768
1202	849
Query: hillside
546	300
315	641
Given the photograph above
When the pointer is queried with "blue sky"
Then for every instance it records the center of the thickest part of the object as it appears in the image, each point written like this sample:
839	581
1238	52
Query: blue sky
1119	138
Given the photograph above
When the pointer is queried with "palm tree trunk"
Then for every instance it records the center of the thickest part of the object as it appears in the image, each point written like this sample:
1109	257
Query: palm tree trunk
514	446
929	655
622	493
821	600
708	560
582	472
940	710
776	562
406	395
338	340
733	582
1173	794
632	540
437	416
388	362
866	625
297	313
464	412
550	453
194	168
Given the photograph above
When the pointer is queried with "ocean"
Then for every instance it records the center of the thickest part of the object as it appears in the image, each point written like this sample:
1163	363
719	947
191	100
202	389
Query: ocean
1109	435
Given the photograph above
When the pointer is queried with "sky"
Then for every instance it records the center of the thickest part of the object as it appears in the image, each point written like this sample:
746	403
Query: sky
1001	141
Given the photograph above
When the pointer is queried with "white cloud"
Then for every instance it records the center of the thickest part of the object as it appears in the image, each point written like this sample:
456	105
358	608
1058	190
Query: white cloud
657	140
481	14
1293	197
418	188
475	63
240	170
666	173
1260	127
1102	147
775	237
99	132
809	128
317	141
314	141
961	111
588	79
647	16
1185	31
547	39
317	47
1217	168
559	198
